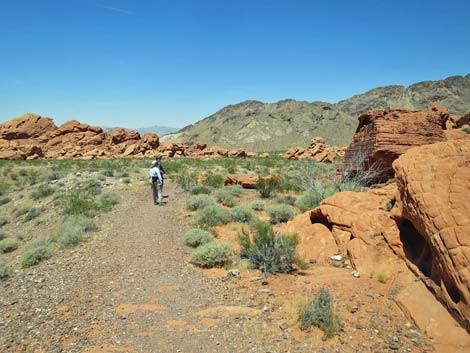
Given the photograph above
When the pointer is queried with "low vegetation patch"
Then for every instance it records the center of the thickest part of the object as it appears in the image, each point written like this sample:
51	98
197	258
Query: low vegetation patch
235	190
4	269
42	191
280	213
243	214
321	312
268	252
73	230
200	189
196	237
308	200
186	180
212	216
3	221
197	202
267	186
214	180
8	245
225	198
4	201
287	199
258	205
32	214
35	252
211	254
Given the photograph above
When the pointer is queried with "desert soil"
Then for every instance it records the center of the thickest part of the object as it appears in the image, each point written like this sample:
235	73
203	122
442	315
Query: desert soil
131	289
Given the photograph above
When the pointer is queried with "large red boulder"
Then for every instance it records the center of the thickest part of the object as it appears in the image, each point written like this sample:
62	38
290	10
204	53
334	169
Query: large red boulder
26	127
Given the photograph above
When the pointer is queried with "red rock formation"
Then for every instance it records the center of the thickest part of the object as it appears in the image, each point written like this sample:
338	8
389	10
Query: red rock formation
434	185
246	181
318	151
383	135
32	136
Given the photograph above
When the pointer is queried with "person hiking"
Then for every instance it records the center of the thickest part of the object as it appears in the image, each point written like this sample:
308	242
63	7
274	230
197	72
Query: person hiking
156	180
158	160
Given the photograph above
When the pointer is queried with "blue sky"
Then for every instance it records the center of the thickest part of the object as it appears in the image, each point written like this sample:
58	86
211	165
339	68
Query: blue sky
141	63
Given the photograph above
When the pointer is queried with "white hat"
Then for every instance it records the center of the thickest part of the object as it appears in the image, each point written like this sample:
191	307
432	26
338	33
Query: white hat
154	163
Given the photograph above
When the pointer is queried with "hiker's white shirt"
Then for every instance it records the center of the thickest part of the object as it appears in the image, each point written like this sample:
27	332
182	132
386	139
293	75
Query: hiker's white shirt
155	173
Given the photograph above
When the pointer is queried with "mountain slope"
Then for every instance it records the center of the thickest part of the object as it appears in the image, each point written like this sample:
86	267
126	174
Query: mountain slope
156	129
260	126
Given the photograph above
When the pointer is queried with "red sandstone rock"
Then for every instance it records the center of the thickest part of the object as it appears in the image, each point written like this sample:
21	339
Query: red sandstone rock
318	151
26	127
246	181
383	135
240	152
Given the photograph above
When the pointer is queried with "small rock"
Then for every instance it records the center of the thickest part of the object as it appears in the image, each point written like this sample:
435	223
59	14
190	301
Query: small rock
256	279
265	291
283	326
234	272
336	257
356	274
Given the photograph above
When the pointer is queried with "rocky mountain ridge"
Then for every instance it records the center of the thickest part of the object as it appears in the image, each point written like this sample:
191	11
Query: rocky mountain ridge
278	126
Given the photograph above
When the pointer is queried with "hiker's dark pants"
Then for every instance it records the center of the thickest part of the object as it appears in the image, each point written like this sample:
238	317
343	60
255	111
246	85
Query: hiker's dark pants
157	192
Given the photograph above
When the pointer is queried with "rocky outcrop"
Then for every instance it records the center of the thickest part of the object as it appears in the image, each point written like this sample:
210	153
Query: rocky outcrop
434	188
383	135
318	151
32	136
423	218
246	181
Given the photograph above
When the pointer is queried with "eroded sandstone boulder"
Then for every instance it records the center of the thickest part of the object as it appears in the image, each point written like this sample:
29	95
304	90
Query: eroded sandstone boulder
27	126
318	151
383	135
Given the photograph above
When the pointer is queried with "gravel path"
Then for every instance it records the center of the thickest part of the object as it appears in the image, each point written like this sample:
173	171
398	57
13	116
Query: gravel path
129	289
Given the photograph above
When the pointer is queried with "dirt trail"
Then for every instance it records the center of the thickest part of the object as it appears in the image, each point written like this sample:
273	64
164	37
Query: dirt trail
130	289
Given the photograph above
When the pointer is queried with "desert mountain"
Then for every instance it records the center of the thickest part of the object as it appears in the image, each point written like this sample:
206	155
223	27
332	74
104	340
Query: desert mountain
260	126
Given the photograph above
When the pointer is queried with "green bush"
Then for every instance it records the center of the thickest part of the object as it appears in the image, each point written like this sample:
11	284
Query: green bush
3	221
2	235
197	202
196	237
4	201
280	213
243	214
211	255
21	211
258	205
212	216
107	200
267	186
214	180
73	230
186	180
288	200
234	190
42	191
268	252
36	252
321	312
200	189
309	200
32	214
8	245
4	269
225	198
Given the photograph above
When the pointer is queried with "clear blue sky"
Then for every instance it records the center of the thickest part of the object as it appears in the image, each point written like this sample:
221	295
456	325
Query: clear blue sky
140	63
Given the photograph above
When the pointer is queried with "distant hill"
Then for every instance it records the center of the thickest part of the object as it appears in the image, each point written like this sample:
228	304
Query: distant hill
156	129
260	126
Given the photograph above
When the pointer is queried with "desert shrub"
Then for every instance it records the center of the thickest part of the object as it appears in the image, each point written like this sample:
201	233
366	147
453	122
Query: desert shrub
186	180
267	186
32	214
21	211
280	213
35	252
214	180
211	254
287	199
73	230
3	188
8	245
466	130
235	190
2	235
3	221
4	269
196	237
53	175
42	191
92	186
212	216
321	312
121	174
107	173
108	200
225	198
200	189
268	252
4	201
243	214
308	200
258	205
197	202
126	180
390	204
